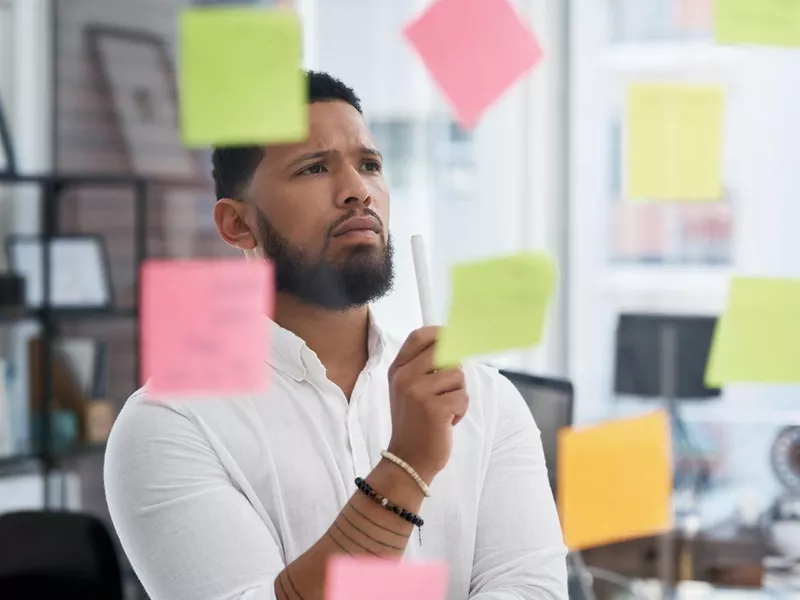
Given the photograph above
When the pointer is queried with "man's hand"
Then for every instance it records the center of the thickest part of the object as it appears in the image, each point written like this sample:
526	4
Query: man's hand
426	404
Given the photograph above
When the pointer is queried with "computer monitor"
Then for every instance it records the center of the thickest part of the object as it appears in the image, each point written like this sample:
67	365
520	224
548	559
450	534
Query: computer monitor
644	360
551	403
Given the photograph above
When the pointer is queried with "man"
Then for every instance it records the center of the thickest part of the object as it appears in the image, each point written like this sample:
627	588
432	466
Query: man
224	498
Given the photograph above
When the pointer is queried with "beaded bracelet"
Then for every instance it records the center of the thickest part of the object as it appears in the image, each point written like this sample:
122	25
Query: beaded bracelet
365	488
408	469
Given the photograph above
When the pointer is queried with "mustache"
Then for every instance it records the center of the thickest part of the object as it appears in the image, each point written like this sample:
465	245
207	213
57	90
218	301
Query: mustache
354	213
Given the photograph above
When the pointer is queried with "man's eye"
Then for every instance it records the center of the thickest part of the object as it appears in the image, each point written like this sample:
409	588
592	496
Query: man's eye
373	166
313	169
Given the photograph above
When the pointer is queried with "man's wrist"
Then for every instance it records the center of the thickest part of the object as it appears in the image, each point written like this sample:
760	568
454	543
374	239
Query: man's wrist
394	483
426	475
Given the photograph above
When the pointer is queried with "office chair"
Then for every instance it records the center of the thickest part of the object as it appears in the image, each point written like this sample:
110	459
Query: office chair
551	402
60	555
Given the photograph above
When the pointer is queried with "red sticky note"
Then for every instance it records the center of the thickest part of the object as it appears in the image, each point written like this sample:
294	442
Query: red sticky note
475	50
369	578
203	326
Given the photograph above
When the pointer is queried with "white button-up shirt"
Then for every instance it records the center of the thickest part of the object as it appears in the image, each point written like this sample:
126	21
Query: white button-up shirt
211	498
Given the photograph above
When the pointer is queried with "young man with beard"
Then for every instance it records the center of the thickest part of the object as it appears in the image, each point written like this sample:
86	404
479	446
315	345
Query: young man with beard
248	498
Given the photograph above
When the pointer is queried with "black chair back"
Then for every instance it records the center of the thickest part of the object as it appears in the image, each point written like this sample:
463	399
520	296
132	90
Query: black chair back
57	555
551	403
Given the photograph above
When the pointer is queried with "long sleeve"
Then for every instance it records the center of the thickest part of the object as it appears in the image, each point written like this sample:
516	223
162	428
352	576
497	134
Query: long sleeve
188	532
519	552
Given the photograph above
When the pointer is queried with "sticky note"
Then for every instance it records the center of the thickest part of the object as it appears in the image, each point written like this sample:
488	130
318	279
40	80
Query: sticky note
369	578
615	480
203	326
496	305
761	22
240	77
474	50
757	338
674	136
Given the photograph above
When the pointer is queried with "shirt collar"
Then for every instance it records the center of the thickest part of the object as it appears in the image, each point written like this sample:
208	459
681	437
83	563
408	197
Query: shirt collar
290	354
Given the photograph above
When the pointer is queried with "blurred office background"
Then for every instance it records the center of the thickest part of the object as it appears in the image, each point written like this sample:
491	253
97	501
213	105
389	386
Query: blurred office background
87	87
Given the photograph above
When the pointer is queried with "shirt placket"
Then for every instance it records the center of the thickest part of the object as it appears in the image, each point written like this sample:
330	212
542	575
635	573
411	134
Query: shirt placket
362	464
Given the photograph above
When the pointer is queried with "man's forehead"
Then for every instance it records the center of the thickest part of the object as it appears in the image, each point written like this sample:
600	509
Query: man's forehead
335	122
332	126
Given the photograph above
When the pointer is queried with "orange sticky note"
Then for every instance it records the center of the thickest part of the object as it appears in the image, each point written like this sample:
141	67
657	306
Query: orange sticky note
203	328
369	578
615	480
475	50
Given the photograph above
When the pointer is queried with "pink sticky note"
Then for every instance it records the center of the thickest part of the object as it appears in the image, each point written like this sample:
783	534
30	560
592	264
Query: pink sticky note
203	326
475	50
369	578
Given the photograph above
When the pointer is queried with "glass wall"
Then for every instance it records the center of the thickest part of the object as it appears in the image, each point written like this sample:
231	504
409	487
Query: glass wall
635	260
473	194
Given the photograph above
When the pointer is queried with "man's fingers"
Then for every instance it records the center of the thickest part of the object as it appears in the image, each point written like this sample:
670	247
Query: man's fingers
418	341
448	380
456	402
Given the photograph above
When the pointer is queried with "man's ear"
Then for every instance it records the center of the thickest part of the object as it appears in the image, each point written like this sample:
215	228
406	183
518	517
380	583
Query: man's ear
230	217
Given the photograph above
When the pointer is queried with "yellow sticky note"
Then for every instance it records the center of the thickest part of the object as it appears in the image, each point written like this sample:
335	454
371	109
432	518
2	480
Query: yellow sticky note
615	480
674	142
240	77
757	339
763	22
497	304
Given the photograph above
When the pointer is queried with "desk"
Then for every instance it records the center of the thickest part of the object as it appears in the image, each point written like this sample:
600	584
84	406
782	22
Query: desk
693	590
721	556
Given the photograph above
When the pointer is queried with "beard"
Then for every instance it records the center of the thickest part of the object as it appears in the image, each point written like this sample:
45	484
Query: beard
364	274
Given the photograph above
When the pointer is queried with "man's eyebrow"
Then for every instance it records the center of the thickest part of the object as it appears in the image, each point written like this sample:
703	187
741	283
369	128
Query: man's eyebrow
325	153
310	156
373	151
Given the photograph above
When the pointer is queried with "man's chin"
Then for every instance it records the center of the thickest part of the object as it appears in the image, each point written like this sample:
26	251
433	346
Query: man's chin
358	253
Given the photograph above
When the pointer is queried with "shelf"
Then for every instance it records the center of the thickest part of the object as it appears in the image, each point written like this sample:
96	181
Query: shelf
669	56
670	288
47	457
74	451
109	180
100	180
15	460
667	276
81	449
32	314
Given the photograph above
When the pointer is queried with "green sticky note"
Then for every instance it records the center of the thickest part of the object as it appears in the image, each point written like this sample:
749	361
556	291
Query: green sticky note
761	22
240	77
674	142
496	305
757	339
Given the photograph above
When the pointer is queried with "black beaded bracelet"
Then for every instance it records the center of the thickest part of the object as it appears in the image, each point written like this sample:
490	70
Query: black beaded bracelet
386	503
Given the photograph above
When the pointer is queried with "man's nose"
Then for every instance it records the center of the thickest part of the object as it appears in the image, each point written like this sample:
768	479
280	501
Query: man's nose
353	190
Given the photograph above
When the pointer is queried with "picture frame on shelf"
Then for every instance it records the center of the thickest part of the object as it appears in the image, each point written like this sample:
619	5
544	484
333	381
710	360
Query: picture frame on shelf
80	274
138	77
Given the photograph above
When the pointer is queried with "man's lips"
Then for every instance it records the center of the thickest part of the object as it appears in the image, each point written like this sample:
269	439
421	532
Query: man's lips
357	224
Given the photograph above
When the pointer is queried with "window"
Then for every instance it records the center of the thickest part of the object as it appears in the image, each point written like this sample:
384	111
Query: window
632	256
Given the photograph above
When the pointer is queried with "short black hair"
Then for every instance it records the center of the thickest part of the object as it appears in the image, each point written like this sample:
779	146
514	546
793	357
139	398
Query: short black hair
233	166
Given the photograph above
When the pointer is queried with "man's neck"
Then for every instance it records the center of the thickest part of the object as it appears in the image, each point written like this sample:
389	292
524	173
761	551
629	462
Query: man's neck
339	338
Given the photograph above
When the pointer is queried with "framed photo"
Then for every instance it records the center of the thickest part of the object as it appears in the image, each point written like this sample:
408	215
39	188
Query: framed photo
139	79
80	276
7	163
